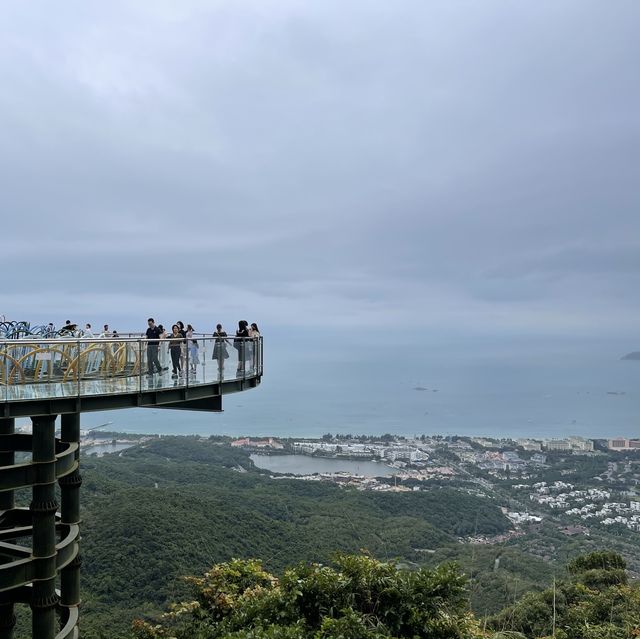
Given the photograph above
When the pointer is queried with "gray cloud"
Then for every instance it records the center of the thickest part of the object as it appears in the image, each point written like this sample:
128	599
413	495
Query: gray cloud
451	164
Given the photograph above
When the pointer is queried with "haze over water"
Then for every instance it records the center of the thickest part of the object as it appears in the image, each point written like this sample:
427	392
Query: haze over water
352	384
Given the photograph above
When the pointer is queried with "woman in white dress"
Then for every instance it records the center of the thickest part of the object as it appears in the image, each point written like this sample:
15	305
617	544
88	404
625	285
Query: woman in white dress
255	346
192	343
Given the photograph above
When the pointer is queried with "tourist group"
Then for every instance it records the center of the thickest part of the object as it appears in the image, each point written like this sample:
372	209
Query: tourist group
183	346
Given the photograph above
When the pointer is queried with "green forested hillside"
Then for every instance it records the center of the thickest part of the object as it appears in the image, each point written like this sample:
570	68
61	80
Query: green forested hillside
358	597
592	599
176	506
497	574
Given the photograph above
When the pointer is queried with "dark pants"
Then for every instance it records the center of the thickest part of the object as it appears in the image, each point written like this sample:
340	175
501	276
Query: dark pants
152	358
175	359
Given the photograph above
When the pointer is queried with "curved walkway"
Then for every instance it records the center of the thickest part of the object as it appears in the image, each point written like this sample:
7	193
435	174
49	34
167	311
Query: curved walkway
73	375
43	378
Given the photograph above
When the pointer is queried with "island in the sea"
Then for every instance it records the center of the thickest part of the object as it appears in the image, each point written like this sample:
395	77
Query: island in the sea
633	355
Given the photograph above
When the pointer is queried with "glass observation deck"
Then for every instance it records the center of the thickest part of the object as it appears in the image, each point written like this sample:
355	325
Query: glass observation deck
48	377
34	368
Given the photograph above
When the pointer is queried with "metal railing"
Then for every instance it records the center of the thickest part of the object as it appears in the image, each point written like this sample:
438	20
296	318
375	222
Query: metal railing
40	368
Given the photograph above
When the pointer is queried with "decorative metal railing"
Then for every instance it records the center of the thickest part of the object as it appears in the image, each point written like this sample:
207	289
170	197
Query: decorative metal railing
17	330
40	368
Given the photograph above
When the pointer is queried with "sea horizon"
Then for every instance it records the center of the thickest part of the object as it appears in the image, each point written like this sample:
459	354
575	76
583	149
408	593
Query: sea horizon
501	390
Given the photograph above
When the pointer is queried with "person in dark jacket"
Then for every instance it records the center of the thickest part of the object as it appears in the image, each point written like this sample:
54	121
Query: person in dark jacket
153	336
240	344
183	351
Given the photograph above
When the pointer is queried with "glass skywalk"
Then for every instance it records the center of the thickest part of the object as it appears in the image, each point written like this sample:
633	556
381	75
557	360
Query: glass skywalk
34	368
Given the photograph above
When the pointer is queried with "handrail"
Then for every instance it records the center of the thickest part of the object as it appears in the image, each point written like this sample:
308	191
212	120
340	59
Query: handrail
46	368
34	339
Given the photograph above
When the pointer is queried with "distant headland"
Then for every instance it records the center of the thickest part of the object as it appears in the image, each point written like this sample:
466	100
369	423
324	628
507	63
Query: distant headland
634	355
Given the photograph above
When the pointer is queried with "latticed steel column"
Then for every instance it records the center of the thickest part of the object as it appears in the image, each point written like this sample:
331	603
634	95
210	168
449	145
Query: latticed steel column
70	512
43	510
7	457
7	501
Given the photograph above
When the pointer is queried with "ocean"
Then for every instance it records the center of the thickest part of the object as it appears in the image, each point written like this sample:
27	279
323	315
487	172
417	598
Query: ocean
498	388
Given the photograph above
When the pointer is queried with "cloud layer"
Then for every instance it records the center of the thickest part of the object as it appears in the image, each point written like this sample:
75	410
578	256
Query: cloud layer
446	164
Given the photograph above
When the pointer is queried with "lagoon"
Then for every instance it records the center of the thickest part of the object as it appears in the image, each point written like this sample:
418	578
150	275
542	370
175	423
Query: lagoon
104	449
305	465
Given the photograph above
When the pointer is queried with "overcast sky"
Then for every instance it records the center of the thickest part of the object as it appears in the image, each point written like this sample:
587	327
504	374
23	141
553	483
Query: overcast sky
453	165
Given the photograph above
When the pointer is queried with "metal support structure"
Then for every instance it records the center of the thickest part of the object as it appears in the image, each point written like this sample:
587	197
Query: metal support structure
7	457
7	620
43	509
50	377
7	502
70	514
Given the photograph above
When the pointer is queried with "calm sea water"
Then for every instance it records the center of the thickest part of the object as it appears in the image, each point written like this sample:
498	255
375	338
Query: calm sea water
506	389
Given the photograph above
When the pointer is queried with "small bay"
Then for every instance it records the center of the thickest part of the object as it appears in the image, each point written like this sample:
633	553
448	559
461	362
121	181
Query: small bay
305	465
104	449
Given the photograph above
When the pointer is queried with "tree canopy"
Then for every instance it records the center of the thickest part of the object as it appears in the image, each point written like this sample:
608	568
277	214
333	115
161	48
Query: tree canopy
358	597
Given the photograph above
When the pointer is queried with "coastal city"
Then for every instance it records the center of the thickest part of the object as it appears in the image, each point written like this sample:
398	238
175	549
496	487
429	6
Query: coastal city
517	471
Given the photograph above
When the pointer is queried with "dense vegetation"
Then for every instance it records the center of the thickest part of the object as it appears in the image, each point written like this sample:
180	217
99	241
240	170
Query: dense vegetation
593	601
358	598
362	598
177	506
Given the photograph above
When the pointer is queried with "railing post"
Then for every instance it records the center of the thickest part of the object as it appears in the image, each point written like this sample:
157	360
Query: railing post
220	348
6	372
186	359
78	365
254	356
203	358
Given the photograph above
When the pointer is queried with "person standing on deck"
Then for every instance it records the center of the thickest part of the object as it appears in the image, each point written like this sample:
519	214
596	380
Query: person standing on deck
162	352
193	347
175	346
220	351
153	337
183	352
254	332
240	344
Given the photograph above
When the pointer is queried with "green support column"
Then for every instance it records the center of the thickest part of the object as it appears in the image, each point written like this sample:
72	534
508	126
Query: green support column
7	458
7	427
7	617
70	511
43	510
